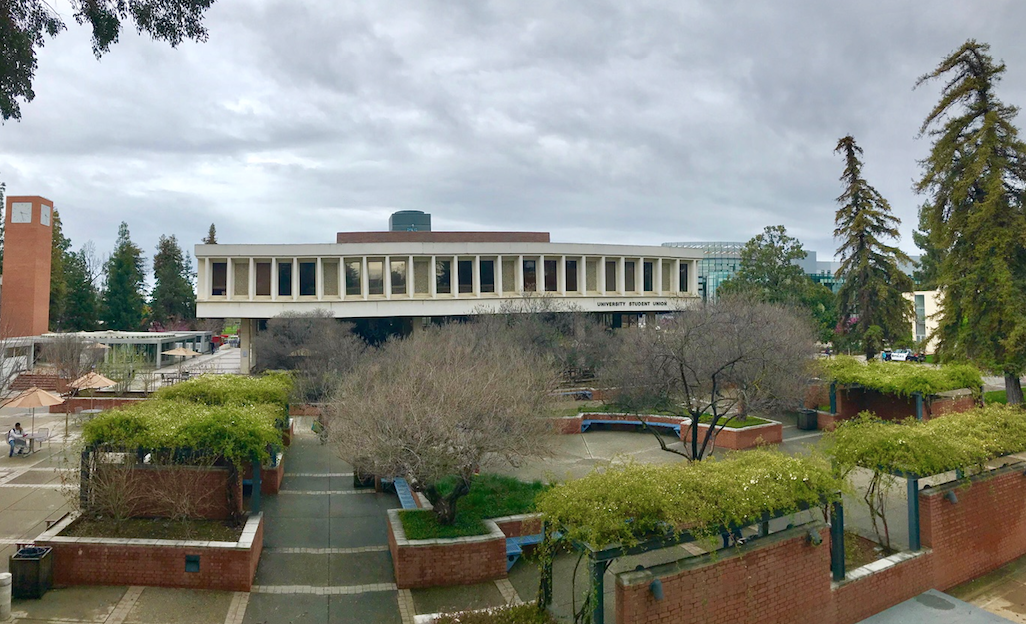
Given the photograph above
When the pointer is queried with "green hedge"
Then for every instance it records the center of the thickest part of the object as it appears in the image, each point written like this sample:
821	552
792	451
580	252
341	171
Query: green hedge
268	389
514	614
954	441
237	432
901	378
625	504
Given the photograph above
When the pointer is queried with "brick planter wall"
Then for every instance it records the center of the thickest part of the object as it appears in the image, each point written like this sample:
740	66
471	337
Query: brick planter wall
304	410
225	566
851	401
567	425
70	406
865	591
746	437
440	562
286	436
270	476
209	486
523	524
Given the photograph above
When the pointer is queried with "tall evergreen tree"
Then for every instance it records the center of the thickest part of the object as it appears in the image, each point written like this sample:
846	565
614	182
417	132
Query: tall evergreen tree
83	306
974	180
173	300
211	237
123	302
871	295
60	249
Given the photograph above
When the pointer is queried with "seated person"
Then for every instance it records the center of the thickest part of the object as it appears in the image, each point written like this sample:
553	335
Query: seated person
16	438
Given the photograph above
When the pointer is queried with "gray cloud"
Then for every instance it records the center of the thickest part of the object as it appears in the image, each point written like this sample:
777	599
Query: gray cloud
636	122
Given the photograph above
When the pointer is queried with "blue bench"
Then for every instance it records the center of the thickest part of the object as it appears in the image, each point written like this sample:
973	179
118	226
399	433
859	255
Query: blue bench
637	423
405	494
515	547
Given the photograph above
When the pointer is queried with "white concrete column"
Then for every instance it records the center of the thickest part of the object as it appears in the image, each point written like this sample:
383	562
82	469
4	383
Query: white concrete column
454	276
582	275
319	278
519	272
498	275
410	278
692	276
341	277
274	279
475	276
386	277
433	279
561	275
539	272
675	280
252	278
600	275
621	277
364	279
295	279
229	278
209	272
245	344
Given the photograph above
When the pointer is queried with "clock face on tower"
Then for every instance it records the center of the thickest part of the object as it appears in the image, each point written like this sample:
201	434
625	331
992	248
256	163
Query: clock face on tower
44	215
21	212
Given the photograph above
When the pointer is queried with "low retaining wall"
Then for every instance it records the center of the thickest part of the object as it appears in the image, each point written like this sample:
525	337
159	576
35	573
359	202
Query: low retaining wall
745	437
852	401
225	566
76	404
209	487
516	526
439	562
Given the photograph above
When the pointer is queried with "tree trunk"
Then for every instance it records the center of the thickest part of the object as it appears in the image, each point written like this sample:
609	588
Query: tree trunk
1013	389
445	506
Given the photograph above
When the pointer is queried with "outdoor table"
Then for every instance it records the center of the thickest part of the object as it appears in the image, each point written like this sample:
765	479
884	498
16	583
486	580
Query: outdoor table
89	413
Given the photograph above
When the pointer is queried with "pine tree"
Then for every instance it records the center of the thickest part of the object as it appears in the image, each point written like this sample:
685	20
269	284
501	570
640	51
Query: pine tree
173	300
211	237
974	179
59	252
871	295
82	311
123	302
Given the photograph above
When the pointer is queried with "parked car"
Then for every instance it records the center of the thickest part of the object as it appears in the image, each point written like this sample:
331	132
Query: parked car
902	355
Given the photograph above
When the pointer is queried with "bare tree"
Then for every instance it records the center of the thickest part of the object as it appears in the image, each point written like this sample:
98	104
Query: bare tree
180	491
722	361
437	403
71	356
315	345
111	488
15	356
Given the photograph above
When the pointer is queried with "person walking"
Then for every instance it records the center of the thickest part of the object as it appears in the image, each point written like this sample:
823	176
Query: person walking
16	438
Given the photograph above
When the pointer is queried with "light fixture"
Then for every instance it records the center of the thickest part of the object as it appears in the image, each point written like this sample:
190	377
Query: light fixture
656	587
951	497
814	537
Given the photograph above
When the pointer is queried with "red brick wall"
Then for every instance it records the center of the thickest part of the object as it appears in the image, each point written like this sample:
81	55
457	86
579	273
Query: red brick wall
270	477
436	565
69	406
851	401
568	425
983	531
210	485
515	528
949	405
226	569
748	437
816	395
856	600
442	237
25	306
783	580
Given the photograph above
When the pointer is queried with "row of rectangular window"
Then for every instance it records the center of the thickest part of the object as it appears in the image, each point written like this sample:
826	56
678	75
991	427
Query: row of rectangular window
398	270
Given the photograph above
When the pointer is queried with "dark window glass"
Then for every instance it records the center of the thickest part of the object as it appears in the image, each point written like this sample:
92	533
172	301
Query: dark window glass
551	276
487	276
219	278
571	276
443	281
683	286
285	279
398	271
649	270
628	276
465	275
353	277
263	279
307	279
610	275
376	277
530	276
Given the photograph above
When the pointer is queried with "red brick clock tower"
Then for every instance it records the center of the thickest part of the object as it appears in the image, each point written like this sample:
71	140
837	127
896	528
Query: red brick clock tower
25	298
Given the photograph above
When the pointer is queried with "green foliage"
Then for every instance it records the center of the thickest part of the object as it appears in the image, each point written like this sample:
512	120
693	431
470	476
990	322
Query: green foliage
513	614
997	396
26	25
122	364
901	378
173	301
268	389
60	250
236	432
490	496
974	215
211	237
871	295
955	441
123	304
82	312
628	503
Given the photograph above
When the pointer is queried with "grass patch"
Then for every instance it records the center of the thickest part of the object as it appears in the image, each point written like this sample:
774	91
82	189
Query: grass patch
490	496
996	396
824	408
859	551
751	421
154	528
518	614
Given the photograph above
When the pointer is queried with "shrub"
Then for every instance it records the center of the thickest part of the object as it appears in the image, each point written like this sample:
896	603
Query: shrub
516	614
268	389
901	378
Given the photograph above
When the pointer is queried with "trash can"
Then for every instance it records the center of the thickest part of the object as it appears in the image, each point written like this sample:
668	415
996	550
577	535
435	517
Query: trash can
32	569
807	420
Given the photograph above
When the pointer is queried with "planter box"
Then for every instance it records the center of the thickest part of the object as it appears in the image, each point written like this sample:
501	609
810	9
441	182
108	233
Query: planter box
286	436
441	562
746	437
70	406
225	566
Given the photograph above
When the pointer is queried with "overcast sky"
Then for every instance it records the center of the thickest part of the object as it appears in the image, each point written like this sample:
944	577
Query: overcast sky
599	121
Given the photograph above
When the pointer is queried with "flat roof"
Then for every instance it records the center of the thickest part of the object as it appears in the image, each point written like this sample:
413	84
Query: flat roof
934	607
403	236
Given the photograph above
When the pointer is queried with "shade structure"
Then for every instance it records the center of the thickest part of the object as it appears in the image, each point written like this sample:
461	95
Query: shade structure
91	381
181	352
33	398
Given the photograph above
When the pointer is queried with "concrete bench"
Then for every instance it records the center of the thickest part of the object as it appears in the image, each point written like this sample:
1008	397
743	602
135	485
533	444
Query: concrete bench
405	494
